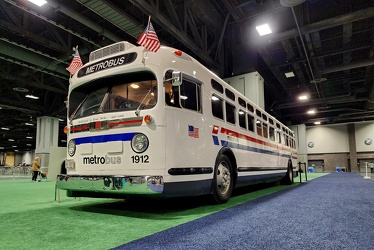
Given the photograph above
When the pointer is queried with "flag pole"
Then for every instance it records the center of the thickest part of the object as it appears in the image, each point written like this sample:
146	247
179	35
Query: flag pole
144	55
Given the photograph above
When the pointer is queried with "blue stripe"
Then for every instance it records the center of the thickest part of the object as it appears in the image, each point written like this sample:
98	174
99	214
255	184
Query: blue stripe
251	149
104	138
215	140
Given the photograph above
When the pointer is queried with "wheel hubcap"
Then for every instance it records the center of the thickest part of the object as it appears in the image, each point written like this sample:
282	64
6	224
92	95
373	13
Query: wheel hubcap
223	178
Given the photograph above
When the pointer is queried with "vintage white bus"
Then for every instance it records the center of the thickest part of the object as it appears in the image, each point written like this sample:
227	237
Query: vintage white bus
161	123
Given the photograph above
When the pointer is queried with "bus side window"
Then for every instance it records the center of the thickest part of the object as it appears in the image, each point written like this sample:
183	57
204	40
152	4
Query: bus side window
265	130
230	113
250	123
190	95
258	127
217	107
279	137
271	133
242	122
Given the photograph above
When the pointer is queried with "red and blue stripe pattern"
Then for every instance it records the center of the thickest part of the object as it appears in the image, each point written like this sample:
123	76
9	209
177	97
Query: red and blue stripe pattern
235	135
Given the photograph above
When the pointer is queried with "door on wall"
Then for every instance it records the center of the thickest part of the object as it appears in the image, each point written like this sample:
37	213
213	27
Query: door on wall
317	165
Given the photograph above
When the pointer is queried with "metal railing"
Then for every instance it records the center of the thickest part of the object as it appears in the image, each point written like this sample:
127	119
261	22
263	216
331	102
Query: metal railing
23	171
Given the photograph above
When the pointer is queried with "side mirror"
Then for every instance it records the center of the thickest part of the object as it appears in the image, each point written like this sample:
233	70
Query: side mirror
176	78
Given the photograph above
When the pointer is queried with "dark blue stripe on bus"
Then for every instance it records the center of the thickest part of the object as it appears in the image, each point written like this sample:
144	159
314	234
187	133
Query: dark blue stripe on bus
251	149
215	140
104	138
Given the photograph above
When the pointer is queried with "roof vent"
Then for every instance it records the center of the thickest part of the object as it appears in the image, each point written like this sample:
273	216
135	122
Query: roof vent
110	50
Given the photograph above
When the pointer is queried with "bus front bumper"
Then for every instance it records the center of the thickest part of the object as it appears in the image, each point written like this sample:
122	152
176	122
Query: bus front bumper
109	186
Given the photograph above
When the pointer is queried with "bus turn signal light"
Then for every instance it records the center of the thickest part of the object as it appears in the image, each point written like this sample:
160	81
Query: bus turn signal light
66	129
148	119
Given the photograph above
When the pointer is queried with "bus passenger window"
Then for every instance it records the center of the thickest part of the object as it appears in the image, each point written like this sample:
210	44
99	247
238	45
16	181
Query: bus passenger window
217	107
271	133
279	137
265	130
242	122
230	113
190	95
258	127
250	123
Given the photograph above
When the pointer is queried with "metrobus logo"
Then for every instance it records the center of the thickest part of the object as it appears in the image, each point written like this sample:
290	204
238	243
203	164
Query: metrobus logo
102	160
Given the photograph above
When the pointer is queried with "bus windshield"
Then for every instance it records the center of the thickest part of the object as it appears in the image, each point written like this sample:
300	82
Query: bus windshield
112	94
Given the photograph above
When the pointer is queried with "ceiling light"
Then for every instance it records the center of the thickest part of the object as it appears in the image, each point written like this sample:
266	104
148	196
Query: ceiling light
10	140
29	124
32	97
289	74
134	86
317	123
29	137
263	29
312	111
38	2
3	128
20	89
303	97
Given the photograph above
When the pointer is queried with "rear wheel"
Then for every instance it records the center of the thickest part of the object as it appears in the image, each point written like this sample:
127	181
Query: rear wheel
223	180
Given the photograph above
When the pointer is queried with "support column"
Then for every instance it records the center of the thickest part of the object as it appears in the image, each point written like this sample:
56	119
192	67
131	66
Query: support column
353	167
300	133
46	137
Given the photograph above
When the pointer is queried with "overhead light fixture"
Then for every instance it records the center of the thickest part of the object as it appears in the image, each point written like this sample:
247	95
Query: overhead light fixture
29	137
38	2
10	140
4	128
303	97
289	74
311	112
263	29
317	123
29	124
134	86
32	97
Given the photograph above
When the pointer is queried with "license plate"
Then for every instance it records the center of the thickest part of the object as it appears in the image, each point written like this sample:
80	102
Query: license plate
69	164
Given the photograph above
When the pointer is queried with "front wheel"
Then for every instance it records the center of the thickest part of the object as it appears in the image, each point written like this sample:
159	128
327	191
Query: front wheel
223	180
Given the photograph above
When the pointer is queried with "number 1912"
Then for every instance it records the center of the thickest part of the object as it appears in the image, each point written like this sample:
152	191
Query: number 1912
140	159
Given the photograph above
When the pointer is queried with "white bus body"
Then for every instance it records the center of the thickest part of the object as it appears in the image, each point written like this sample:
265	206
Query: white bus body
150	124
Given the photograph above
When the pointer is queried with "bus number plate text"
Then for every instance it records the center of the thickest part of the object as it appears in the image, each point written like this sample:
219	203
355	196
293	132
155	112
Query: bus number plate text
140	159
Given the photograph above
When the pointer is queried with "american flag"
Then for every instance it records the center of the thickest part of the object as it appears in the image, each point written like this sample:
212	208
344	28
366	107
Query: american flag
75	64
193	132
149	39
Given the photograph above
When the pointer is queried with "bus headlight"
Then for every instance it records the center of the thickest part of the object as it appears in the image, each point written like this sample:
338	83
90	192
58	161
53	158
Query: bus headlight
71	147
139	143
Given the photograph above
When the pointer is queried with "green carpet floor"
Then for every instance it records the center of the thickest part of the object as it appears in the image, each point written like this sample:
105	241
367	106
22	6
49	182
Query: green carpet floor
30	218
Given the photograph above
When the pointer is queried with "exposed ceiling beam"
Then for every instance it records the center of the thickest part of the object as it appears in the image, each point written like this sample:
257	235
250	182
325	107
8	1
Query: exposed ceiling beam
173	30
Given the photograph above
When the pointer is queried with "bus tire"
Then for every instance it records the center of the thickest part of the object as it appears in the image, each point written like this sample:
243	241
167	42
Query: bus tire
223	181
288	179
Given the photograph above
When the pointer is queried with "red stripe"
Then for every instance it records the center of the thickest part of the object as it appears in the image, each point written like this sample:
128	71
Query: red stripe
112	124
79	128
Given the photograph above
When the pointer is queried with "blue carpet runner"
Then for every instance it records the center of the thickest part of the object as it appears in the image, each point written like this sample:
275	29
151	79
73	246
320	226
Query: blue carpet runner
335	211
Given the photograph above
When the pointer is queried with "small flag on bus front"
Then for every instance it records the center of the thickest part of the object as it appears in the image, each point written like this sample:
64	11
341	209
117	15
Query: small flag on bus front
149	39
193	132
76	63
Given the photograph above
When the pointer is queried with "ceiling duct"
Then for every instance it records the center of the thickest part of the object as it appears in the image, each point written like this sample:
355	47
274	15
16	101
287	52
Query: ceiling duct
291	3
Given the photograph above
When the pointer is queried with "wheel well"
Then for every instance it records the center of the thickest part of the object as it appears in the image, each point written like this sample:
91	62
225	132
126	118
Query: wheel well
228	152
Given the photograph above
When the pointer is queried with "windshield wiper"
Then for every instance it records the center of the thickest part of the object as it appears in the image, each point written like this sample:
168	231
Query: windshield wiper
137	112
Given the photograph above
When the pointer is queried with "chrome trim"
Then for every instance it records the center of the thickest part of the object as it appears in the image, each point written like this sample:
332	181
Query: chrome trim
114	184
